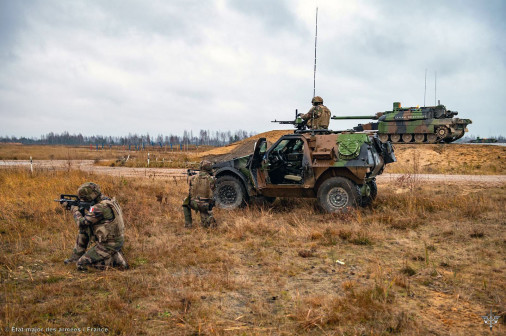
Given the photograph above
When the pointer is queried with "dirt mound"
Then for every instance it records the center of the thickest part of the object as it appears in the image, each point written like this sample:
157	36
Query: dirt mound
412	158
449	159
243	147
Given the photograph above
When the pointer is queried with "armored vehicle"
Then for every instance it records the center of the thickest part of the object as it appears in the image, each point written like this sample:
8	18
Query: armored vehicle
337	168
483	140
431	124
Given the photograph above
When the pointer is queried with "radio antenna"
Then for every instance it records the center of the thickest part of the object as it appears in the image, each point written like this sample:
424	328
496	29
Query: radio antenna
315	40
425	90
435	87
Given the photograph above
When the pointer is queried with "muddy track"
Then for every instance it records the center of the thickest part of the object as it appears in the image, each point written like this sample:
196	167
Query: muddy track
178	173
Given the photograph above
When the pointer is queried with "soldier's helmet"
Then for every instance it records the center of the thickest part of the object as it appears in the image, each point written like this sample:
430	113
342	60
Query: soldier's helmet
317	100
88	191
206	165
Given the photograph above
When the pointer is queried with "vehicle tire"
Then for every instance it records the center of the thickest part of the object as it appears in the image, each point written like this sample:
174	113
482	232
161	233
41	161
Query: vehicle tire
338	194
367	200
229	193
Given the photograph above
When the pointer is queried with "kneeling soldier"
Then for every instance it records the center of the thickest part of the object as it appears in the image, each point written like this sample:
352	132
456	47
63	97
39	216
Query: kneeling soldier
200	196
102	223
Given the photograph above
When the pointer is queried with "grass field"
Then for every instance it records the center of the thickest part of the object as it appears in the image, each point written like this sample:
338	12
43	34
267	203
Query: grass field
424	259
114	156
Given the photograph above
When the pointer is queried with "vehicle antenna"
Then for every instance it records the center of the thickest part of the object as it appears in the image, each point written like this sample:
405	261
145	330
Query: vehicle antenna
435	87
315	40
425	90
314	71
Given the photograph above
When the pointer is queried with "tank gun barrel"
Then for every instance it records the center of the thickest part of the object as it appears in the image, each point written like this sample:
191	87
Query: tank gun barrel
354	117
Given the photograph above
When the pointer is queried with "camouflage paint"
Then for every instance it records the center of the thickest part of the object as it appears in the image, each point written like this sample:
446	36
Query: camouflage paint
411	121
357	156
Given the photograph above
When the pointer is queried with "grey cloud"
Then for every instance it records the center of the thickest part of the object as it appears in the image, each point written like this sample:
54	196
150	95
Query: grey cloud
13	17
275	15
165	66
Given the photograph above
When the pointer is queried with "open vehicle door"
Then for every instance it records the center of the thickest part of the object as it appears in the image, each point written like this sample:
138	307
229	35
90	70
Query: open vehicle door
255	163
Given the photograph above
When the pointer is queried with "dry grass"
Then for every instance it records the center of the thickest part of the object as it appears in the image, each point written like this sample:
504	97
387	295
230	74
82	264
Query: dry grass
429	260
114	156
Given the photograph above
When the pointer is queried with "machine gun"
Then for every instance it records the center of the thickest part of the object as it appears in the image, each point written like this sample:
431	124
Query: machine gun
73	200
298	122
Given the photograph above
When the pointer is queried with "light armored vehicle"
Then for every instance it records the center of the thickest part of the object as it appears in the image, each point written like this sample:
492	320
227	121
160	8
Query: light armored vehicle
337	168
431	124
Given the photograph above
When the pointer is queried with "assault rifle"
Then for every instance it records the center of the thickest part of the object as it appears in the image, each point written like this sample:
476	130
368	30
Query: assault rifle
191	172
298	122
72	200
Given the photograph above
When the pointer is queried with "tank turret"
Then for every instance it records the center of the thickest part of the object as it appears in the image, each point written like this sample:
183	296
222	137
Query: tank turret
428	124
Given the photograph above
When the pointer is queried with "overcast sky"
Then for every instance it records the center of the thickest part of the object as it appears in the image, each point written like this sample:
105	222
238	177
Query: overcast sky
118	67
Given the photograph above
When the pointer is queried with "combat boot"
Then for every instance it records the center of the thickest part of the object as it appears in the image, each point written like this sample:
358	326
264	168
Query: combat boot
73	258
119	260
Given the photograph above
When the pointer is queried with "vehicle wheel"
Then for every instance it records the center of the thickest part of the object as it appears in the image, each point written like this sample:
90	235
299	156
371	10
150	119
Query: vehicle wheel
229	193
431	138
367	200
383	137
338	194
442	133
407	137
419	138
395	137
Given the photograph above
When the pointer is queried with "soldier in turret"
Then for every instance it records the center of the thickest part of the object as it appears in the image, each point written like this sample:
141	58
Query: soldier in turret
318	116
102	223
200	196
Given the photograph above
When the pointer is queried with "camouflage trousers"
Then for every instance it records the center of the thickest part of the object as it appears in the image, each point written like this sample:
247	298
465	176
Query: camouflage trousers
203	206
101	255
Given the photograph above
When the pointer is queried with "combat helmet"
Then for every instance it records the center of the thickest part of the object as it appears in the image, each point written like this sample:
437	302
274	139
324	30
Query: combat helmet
206	165
317	100
88	191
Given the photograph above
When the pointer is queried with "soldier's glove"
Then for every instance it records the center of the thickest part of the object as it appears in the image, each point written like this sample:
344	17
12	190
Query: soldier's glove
74	208
65	205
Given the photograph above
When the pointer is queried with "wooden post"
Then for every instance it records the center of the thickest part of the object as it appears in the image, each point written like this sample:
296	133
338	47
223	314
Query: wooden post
31	165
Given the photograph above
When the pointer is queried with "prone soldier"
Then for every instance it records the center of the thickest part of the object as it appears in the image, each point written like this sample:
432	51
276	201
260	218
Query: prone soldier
102	223
318	116
200	196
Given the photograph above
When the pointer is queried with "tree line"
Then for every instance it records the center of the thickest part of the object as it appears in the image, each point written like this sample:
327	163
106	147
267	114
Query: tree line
203	137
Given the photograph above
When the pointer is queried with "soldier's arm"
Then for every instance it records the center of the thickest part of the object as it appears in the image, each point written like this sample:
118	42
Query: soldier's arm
91	217
190	183
213	183
308	115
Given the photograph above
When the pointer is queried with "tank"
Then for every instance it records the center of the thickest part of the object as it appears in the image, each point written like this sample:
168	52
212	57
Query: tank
430	124
483	140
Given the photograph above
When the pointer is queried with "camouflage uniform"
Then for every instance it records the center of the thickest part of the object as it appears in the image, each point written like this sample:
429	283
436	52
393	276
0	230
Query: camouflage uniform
200	197
102	223
318	116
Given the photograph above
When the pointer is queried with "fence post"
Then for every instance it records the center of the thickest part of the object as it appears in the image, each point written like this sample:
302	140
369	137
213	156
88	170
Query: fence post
31	165
148	159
